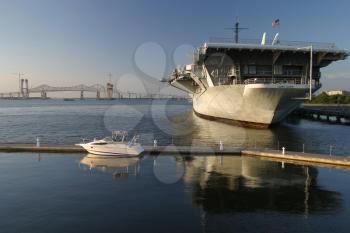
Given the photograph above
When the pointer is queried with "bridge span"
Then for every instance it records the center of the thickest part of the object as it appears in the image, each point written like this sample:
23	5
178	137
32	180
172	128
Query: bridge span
24	90
105	92
97	88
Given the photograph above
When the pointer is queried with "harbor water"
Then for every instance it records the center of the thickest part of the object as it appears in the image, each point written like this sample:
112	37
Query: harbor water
165	193
167	121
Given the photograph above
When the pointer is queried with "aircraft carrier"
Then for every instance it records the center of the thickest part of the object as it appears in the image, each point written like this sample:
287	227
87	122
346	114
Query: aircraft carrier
256	83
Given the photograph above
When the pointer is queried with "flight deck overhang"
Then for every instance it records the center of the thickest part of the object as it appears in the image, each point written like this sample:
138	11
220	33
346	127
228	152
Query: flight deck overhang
212	47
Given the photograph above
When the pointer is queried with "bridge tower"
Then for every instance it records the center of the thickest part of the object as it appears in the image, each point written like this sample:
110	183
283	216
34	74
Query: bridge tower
43	94
98	95
26	89
21	87
109	90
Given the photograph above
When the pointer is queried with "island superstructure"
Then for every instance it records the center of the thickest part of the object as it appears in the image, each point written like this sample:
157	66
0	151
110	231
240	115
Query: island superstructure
252	82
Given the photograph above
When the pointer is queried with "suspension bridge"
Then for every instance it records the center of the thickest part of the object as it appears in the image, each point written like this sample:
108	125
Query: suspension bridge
102	92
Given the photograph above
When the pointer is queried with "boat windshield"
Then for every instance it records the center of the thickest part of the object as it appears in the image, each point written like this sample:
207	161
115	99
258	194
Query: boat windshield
119	136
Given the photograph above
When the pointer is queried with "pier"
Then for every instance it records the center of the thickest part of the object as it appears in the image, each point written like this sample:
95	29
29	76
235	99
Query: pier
300	158
275	155
336	115
171	149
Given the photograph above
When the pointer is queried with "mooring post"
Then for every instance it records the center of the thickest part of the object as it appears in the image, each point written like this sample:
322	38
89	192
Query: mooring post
221	145
37	142
155	143
283	150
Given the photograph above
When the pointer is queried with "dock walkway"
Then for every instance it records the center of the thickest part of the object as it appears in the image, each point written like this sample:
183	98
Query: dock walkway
171	149
300	157
289	156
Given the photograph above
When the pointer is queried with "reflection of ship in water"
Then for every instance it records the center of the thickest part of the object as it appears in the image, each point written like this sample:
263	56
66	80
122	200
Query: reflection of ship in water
242	184
189	129
194	130
119	167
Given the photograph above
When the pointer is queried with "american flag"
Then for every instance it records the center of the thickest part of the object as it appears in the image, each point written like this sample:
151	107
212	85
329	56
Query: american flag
275	23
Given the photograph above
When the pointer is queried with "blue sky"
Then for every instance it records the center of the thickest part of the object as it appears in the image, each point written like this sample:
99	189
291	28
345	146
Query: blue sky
67	42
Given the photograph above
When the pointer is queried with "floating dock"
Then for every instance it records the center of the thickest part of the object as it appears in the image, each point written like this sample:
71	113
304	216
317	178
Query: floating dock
171	149
300	157
288	156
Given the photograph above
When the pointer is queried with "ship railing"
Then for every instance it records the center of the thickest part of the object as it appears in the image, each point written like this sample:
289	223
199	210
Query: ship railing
269	72
320	45
273	81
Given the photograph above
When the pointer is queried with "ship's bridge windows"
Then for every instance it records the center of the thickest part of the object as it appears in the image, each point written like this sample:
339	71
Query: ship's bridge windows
292	70
257	70
264	70
251	69
245	69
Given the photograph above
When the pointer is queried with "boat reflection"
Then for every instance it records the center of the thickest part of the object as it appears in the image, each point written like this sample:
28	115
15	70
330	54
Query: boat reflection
118	166
244	184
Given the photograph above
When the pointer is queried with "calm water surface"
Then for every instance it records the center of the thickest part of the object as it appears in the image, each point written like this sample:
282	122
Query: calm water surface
80	193
66	122
75	193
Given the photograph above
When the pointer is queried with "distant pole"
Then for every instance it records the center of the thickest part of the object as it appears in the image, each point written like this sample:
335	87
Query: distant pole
310	94
236	32
311	65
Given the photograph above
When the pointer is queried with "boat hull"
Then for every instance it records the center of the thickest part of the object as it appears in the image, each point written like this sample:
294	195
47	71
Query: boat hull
120	150
255	105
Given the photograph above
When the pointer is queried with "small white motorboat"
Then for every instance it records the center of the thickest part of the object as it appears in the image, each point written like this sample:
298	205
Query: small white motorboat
117	145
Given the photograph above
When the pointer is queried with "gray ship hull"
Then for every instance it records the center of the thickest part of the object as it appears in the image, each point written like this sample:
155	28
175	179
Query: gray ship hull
257	105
